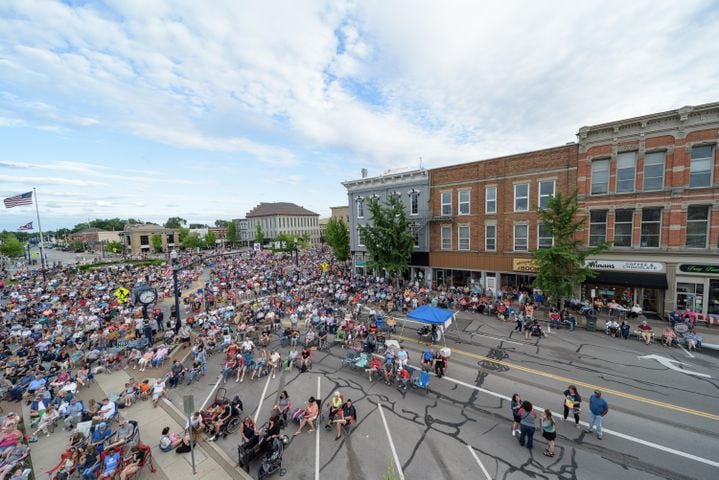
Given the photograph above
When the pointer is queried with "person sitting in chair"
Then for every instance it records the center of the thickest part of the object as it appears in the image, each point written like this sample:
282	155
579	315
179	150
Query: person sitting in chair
668	336
347	415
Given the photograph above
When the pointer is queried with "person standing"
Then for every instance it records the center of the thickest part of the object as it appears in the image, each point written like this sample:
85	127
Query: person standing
598	407
527	421
515	405
572	401
549	432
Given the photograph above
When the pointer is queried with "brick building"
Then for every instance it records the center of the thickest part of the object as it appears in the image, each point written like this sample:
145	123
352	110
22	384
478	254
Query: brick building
649	184
483	216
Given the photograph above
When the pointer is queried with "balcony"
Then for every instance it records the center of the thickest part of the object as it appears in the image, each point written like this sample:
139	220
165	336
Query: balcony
436	215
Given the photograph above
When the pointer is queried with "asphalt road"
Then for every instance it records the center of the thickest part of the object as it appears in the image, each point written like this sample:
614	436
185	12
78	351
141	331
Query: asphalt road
663	423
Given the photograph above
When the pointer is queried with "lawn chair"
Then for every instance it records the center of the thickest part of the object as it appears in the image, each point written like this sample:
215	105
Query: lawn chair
422	381
362	361
350	358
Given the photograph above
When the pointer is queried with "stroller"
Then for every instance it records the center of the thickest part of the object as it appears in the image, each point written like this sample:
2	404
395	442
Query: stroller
272	461
536	329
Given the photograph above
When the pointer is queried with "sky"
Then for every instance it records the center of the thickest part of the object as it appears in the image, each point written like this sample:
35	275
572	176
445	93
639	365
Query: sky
130	108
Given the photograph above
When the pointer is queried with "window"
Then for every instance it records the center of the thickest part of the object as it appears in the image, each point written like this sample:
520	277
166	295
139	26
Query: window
651	227
359	238
697	226
490	200
544	236
414	203
360	208
626	172
416	238
521	236
446	237
623	228
690	296
144	240
600	177
463	202
701	166
521	197
597	227
654	171
546	191
446	204
463	237
490	238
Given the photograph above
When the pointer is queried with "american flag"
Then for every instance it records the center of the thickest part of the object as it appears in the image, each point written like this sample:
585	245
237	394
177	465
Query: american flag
22	199
27	226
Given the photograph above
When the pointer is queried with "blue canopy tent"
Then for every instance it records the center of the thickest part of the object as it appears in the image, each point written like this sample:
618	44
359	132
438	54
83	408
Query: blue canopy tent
434	316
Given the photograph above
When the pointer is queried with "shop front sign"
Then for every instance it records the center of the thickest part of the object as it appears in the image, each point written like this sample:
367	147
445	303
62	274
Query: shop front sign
703	269
524	265
625	266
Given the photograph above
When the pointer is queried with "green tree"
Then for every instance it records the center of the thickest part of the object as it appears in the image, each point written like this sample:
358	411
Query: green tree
561	267
113	247
193	240
388	238
11	246
231	237
197	225
259	235
175	222
210	239
76	246
156	241
337	237
222	223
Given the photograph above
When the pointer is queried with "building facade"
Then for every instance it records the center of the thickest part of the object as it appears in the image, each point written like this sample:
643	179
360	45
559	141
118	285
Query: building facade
137	239
649	185
412	187
483	219
95	238
341	213
283	218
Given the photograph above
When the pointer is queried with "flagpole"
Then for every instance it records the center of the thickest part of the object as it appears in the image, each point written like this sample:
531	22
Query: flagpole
42	240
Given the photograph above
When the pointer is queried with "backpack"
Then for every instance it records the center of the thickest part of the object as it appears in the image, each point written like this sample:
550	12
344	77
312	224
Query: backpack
297	415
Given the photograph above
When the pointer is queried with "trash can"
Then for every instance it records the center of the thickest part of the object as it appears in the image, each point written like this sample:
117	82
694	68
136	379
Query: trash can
591	323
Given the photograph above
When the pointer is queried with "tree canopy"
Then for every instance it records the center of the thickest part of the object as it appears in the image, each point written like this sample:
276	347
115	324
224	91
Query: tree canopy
210	239
222	223
388	238
231	237
560	268
259	235
337	237
11	246
156	241
175	222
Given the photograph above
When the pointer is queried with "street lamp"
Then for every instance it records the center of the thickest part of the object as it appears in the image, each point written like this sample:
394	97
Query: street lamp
175	267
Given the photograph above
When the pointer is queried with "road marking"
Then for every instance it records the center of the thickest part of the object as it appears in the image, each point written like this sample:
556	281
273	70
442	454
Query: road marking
262	398
686	351
212	392
479	462
570	381
669	363
391	444
605	430
317	436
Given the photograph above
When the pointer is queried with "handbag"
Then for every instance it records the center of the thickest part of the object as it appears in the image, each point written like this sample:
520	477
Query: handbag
569	403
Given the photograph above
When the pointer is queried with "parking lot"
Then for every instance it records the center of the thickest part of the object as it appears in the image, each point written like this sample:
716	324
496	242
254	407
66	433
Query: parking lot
461	428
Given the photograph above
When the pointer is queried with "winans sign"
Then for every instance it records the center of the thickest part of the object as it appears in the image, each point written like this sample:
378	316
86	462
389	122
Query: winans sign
628	266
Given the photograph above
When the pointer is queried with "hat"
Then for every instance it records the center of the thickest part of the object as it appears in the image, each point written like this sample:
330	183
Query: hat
337	393
101	425
597	392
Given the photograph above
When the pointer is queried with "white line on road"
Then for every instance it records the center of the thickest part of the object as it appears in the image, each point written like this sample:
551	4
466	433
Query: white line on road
686	351
391	444
317	435
262	398
212	392
479	462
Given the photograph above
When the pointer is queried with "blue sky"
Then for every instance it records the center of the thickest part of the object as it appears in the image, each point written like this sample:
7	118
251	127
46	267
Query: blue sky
154	109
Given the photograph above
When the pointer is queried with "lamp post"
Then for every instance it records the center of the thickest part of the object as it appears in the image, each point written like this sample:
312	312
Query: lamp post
176	287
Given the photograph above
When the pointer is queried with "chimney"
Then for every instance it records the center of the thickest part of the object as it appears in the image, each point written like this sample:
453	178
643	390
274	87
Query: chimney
364	173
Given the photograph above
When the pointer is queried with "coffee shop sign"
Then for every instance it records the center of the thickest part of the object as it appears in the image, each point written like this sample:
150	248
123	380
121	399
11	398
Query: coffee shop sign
622	266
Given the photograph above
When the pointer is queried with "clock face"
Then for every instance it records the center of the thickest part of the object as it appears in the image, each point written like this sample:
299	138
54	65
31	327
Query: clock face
147	296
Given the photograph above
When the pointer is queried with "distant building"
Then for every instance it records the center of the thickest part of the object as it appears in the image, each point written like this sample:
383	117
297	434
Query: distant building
283	217
138	238
241	232
341	213
95	238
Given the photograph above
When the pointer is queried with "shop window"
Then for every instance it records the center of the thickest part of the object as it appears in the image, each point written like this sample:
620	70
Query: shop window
701	166
446	204
546	191
521	237
490	200
463	237
463	202
654	171
490	238
446	236
521	197
544	236
600	177
651	227
626	172
690	296
623	228
697	226
713	300
597	227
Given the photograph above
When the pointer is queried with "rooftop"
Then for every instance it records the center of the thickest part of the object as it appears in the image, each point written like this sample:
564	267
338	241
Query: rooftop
279	208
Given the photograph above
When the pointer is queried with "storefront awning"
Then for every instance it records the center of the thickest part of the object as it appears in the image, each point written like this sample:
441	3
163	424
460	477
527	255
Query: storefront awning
628	279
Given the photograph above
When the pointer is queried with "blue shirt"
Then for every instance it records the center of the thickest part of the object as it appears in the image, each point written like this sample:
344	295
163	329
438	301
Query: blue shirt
35	384
100	435
597	405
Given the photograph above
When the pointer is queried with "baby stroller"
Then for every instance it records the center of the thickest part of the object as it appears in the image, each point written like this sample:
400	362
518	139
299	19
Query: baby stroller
536	329
272	462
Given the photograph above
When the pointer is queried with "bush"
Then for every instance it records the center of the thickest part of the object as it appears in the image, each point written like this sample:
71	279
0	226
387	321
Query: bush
136	263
